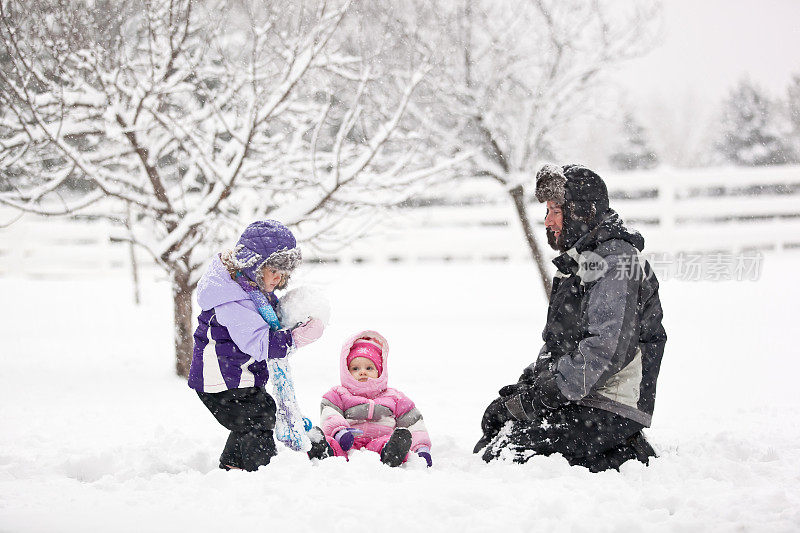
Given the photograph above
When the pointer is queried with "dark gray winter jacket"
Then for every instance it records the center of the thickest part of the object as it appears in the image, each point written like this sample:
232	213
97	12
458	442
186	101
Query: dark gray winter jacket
603	339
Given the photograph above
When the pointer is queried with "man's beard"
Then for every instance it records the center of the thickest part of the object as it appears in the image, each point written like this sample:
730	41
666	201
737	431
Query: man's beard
556	244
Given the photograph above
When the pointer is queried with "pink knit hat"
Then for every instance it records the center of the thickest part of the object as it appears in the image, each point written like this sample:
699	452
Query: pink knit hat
369	349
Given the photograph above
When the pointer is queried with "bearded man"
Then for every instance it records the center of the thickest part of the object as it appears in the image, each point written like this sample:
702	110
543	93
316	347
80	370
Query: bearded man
592	388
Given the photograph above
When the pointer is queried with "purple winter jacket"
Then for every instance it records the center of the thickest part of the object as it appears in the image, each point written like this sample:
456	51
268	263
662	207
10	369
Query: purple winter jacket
240	341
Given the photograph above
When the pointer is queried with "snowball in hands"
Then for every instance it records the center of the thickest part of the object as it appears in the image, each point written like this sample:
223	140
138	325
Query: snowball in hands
307	311
301	304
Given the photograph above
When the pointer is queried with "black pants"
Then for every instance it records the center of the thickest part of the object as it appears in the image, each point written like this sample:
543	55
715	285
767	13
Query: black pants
594	438
249	414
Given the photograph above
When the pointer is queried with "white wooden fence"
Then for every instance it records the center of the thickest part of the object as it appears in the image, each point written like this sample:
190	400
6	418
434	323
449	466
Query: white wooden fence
707	211
716	210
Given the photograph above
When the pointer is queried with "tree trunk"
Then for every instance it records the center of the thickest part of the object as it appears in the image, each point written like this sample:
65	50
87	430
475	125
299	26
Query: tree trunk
518	195
182	297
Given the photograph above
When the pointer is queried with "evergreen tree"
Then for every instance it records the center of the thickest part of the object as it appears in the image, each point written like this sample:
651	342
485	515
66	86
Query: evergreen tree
634	152
749	133
793	112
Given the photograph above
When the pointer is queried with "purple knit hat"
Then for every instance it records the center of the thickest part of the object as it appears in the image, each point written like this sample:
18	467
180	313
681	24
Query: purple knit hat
266	242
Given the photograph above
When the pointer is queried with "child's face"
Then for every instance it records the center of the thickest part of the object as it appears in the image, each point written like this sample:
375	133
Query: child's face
272	278
362	368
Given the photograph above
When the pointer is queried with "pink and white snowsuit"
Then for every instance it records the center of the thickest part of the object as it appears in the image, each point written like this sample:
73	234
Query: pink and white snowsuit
369	406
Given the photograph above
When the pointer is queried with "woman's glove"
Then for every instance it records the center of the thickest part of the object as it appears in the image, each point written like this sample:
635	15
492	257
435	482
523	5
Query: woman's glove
307	333
346	437
425	453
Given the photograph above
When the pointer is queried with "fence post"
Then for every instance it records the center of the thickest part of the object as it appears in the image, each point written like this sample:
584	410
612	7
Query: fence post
132	254
666	205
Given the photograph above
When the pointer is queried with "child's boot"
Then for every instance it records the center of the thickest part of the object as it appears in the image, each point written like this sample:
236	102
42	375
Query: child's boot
396	448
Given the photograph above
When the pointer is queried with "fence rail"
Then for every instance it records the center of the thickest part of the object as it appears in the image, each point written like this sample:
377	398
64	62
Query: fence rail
707	211
715	210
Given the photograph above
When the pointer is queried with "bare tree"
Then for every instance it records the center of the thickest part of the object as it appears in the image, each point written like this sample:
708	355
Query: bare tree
197	117
510	77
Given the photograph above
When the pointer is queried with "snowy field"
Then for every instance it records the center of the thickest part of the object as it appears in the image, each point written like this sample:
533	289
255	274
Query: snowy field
98	434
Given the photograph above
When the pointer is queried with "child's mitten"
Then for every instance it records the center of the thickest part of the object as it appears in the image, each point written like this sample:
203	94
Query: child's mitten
307	333
346	437
425	453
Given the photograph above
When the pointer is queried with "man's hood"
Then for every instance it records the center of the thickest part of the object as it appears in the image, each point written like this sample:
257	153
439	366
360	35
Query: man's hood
371	387
216	287
611	228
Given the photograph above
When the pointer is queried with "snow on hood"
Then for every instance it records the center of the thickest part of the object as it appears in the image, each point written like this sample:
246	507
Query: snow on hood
216	287
371	387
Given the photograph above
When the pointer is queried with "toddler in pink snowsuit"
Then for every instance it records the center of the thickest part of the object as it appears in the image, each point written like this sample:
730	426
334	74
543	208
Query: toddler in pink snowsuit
364	413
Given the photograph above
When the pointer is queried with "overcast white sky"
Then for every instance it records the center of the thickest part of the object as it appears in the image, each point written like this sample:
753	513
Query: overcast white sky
710	44
676	91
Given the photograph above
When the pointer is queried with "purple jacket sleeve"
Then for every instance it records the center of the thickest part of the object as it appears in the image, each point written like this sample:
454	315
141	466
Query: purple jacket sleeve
251	333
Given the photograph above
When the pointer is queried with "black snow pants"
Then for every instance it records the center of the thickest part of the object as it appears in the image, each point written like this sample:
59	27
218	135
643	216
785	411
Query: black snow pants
596	439
249	414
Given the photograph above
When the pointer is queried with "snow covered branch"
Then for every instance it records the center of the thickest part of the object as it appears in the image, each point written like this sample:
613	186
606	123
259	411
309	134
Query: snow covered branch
191	118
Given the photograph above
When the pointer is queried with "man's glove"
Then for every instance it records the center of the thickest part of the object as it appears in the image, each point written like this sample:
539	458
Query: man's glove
494	418
544	394
510	390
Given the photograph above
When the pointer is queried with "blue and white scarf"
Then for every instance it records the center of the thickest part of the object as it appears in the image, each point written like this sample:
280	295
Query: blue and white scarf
291	426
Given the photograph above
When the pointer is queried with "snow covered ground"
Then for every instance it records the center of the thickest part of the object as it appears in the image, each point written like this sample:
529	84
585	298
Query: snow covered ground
99	435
